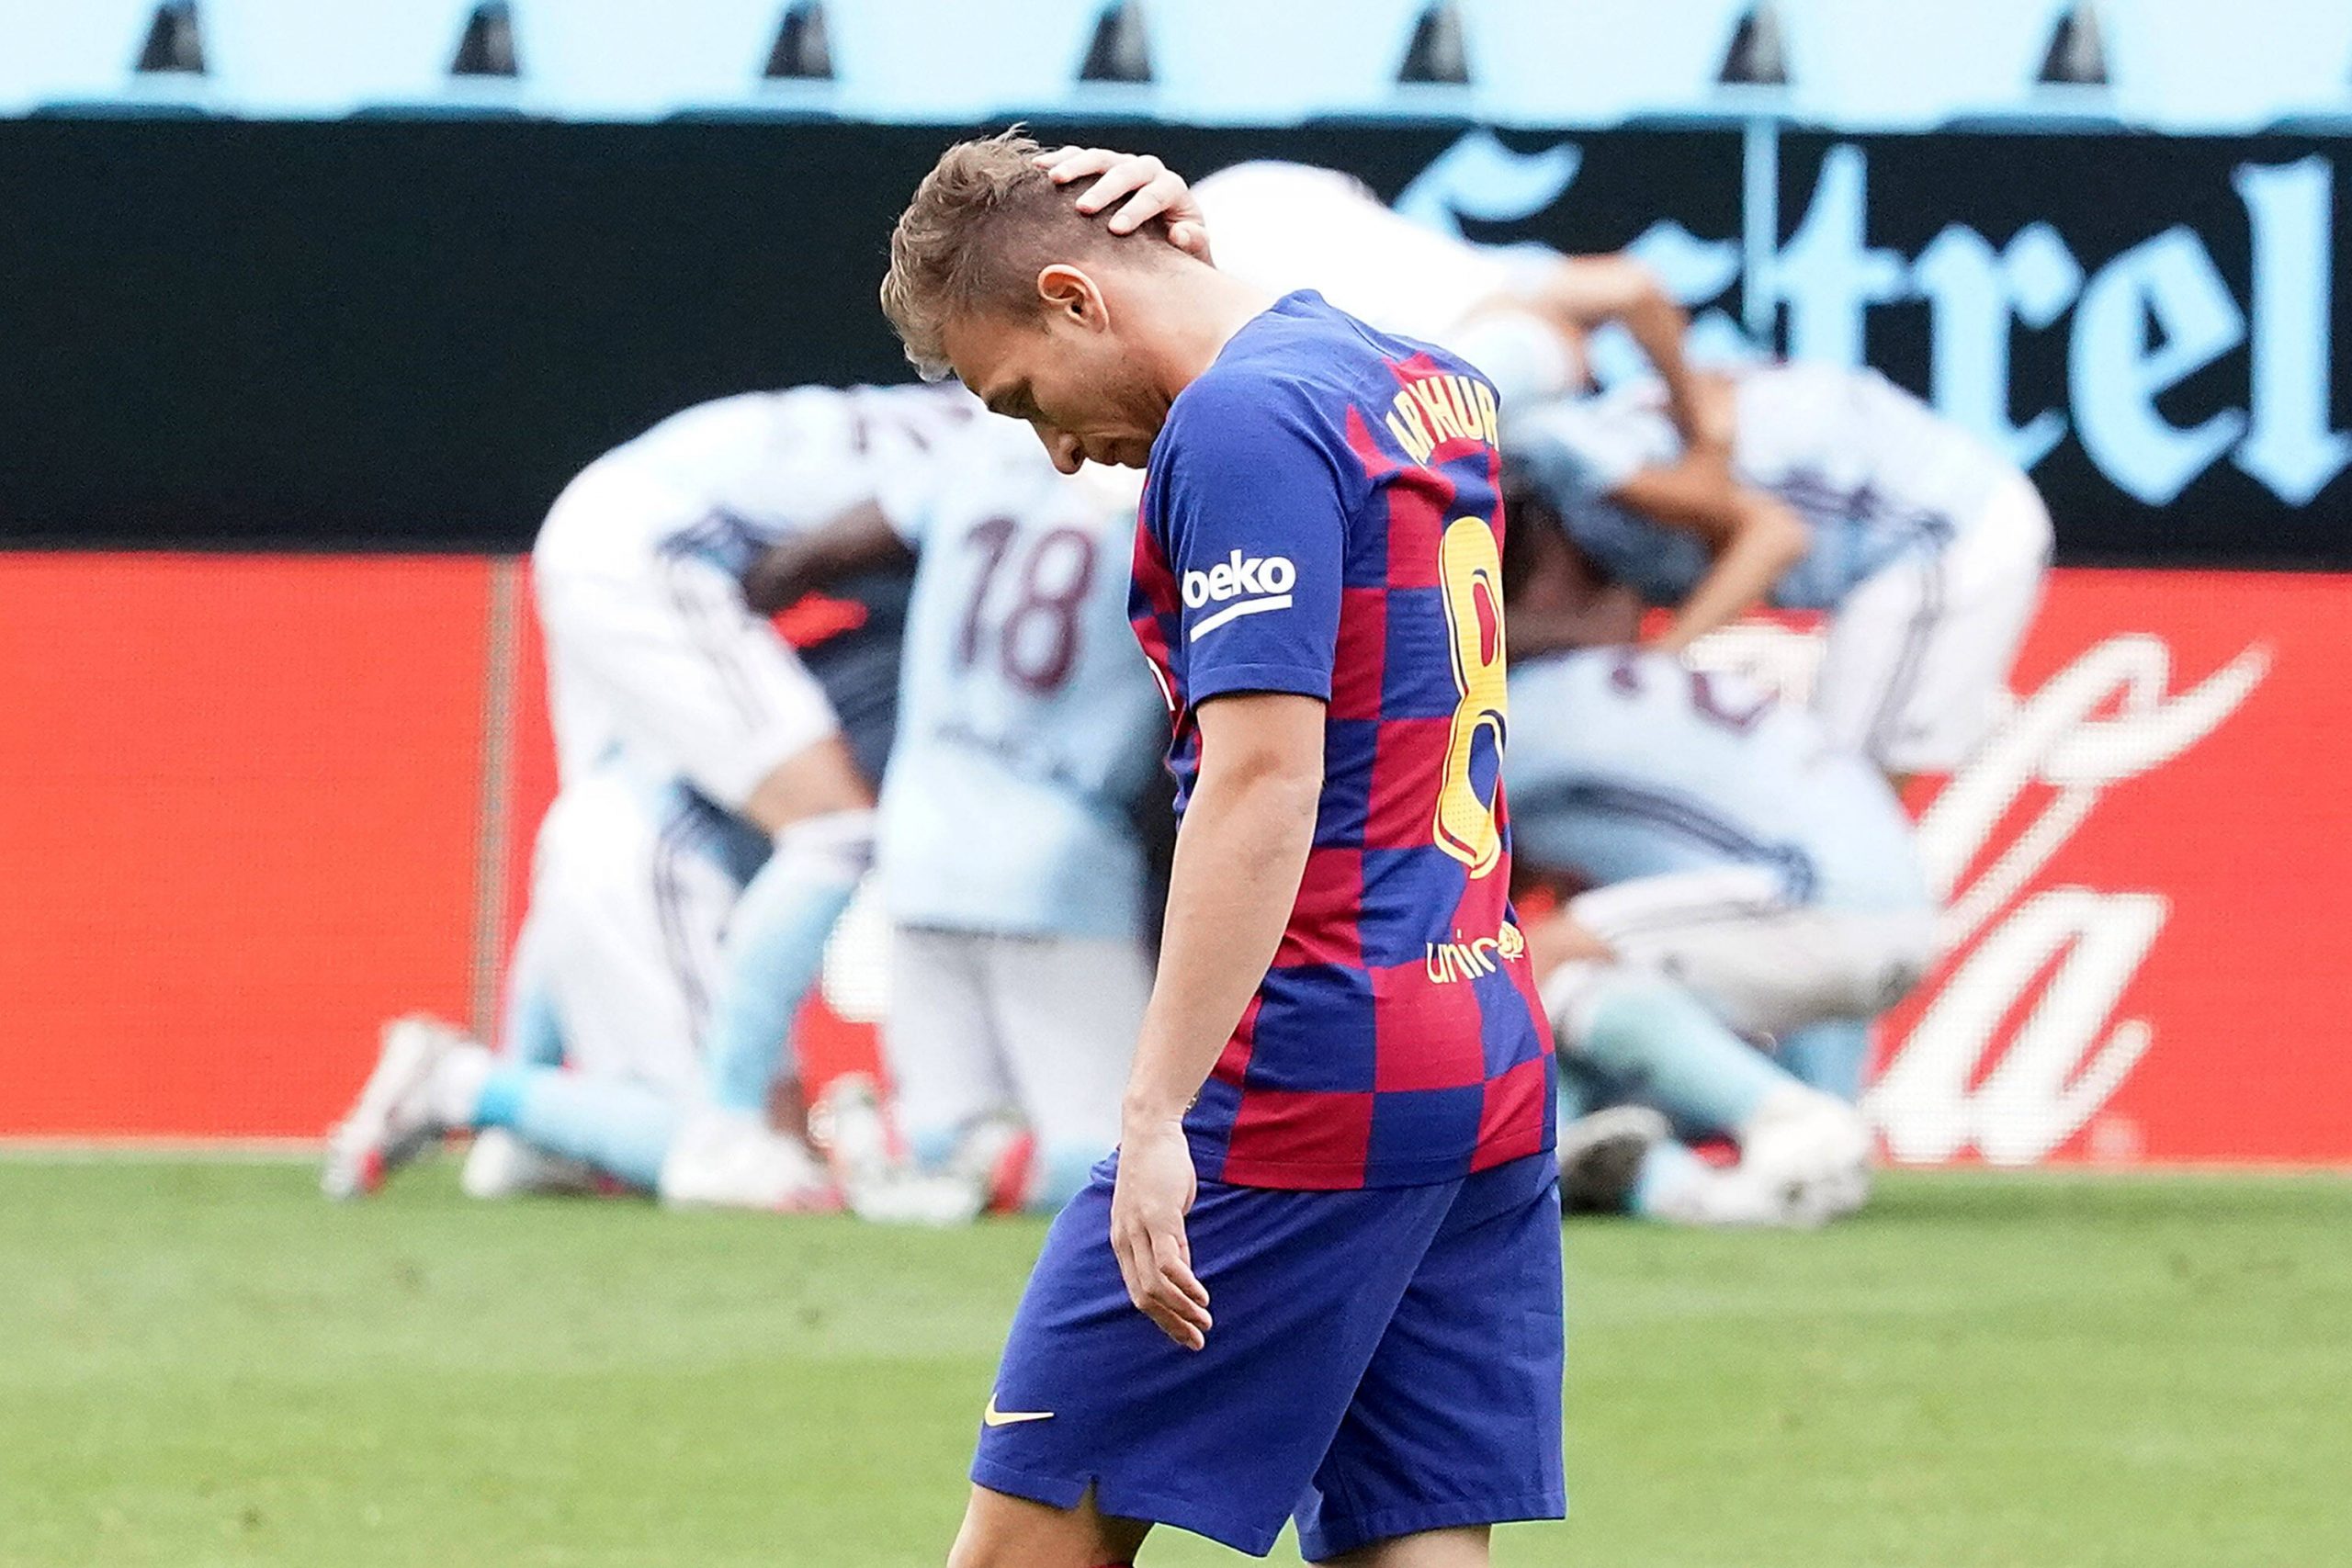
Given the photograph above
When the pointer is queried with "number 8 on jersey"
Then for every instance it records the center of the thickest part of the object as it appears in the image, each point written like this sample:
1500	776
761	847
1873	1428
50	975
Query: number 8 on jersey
1470	572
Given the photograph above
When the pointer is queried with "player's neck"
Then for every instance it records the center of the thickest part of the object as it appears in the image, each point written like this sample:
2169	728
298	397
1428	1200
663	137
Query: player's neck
1199	310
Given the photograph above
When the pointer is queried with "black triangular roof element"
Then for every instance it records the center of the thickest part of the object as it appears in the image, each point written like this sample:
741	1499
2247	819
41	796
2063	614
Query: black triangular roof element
486	46
1120	51
2077	52
1437	53
803	52
1756	58
174	41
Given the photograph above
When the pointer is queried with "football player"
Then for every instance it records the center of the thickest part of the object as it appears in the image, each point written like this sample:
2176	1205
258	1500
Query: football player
1011	864
658	664
1753	900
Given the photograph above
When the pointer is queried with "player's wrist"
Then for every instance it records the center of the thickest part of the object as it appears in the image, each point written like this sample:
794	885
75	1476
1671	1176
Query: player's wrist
1152	1112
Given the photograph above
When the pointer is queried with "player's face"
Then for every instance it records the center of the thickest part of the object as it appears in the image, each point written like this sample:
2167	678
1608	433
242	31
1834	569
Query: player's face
1065	372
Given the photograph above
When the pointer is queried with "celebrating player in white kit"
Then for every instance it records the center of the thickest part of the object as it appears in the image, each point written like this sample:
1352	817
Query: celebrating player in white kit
659	670
1840	493
1803	487
599	1064
1748	882
1523	314
1011	864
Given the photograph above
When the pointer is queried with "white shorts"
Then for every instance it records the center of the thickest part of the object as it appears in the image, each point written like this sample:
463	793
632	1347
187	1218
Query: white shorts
1919	655
623	933
1764	964
657	652
1044	1026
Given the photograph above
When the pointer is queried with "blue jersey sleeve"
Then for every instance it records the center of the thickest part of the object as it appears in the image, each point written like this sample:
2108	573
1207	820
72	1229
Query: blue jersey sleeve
1253	519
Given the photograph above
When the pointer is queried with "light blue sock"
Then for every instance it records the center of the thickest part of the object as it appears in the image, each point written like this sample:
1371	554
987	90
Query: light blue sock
1668	1169
1584	1089
775	947
1059	1175
623	1129
530	1034
1831	1056
1662	1044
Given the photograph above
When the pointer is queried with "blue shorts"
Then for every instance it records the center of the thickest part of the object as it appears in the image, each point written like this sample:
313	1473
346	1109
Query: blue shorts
1385	1361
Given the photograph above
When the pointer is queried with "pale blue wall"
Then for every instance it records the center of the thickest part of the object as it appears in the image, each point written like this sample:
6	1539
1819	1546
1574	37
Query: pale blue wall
1885	65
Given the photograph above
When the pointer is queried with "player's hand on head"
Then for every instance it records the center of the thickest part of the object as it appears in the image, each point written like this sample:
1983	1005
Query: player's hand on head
1134	188
1154	1192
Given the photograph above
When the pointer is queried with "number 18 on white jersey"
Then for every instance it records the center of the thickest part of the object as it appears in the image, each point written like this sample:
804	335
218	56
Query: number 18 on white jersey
1028	723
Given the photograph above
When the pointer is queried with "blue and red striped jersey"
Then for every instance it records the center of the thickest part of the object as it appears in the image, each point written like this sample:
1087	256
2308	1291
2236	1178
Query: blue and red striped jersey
1322	515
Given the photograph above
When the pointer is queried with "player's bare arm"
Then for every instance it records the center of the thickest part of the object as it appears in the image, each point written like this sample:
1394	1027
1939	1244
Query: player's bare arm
1240	856
860	539
1581	293
1753	538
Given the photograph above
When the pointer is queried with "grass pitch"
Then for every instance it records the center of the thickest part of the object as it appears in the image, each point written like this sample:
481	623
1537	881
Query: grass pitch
205	1364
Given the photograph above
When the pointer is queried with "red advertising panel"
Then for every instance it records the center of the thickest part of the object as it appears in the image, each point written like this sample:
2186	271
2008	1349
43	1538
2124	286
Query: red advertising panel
240	823
2151	889
256	804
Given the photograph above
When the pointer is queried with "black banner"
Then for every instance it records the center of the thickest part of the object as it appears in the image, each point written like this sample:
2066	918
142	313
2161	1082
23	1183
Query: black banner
408	334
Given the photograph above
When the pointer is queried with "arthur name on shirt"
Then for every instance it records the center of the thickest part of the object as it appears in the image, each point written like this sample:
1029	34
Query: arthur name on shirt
1436	409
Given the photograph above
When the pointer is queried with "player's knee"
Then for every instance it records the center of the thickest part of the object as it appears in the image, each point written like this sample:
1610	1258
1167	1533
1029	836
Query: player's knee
818	780
1572	992
836	846
1001	1532
1599	1003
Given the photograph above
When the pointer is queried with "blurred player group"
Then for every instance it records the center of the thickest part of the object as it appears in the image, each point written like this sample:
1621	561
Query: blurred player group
1718	891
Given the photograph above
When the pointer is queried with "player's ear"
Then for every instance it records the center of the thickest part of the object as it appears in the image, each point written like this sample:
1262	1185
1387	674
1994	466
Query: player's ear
1067	291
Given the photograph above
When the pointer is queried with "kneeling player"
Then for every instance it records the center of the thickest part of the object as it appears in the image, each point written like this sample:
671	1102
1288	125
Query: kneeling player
633	884
1840	493
1012	864
657	664
653	651
1748	882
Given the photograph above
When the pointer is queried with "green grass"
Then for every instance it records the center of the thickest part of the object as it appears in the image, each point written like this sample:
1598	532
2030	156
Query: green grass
205	1364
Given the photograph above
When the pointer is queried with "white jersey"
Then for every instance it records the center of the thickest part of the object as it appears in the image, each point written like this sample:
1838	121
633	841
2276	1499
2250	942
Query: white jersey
1624	764
638	569
1028	721
1283	227
1873	472
726	478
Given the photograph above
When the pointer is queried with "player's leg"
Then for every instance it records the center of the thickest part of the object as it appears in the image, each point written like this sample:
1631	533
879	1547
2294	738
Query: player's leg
941	1041
952	1097
1071	1009
631	895
1470	1548
1093	1406
1455	1424
500	1163
1707	964
1617	1149
704	689
628	899
1833	1056
1001	1532
1660	1044
818	812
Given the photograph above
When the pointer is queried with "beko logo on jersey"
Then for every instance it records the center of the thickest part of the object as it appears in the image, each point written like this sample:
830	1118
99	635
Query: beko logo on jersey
1259	583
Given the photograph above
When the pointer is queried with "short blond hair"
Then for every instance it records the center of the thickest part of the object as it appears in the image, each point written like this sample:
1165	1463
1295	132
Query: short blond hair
983	223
